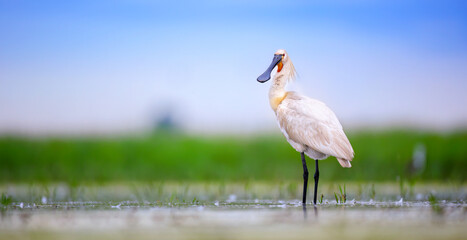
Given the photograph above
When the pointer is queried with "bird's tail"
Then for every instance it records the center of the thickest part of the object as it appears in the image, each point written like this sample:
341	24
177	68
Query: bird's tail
344	162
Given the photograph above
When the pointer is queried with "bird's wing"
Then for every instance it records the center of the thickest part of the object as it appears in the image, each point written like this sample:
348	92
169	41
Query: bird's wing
312	123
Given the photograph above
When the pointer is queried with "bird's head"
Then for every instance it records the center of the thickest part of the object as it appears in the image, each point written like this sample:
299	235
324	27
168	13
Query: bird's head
280	59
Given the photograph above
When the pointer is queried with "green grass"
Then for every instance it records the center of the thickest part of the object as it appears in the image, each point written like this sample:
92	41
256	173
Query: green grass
341	196
5	200
380	156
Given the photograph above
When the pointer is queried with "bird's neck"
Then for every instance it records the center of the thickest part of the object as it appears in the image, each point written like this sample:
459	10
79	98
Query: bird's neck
277	91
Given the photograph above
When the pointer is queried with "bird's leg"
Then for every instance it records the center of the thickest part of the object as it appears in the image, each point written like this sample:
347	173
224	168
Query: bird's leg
305	177
316	181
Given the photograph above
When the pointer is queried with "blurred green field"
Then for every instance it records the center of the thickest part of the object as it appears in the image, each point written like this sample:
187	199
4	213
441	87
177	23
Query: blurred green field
380	156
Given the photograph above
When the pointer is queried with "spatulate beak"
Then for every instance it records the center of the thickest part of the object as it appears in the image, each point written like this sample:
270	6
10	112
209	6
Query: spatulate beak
267	74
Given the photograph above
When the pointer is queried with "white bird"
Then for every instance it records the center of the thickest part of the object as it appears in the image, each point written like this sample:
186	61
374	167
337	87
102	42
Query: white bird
308	124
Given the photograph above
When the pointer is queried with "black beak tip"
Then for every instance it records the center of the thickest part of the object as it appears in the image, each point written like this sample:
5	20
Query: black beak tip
262	80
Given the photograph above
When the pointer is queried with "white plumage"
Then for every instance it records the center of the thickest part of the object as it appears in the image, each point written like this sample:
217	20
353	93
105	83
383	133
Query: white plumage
311	127
308	124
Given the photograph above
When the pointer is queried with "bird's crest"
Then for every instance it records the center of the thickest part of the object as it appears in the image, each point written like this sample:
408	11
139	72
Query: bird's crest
291	73
289	70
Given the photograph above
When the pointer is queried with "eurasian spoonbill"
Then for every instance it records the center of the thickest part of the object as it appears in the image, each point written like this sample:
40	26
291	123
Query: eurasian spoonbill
307	124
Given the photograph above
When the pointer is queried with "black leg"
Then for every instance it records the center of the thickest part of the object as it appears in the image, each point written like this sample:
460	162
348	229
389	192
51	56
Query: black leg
305	177
316	181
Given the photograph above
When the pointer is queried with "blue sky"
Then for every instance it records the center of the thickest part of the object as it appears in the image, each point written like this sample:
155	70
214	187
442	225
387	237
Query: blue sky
106	66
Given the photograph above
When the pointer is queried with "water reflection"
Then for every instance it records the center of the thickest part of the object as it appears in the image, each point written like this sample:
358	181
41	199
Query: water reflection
304	211
305	214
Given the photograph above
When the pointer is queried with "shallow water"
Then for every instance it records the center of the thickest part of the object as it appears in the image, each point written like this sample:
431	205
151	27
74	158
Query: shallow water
230	211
